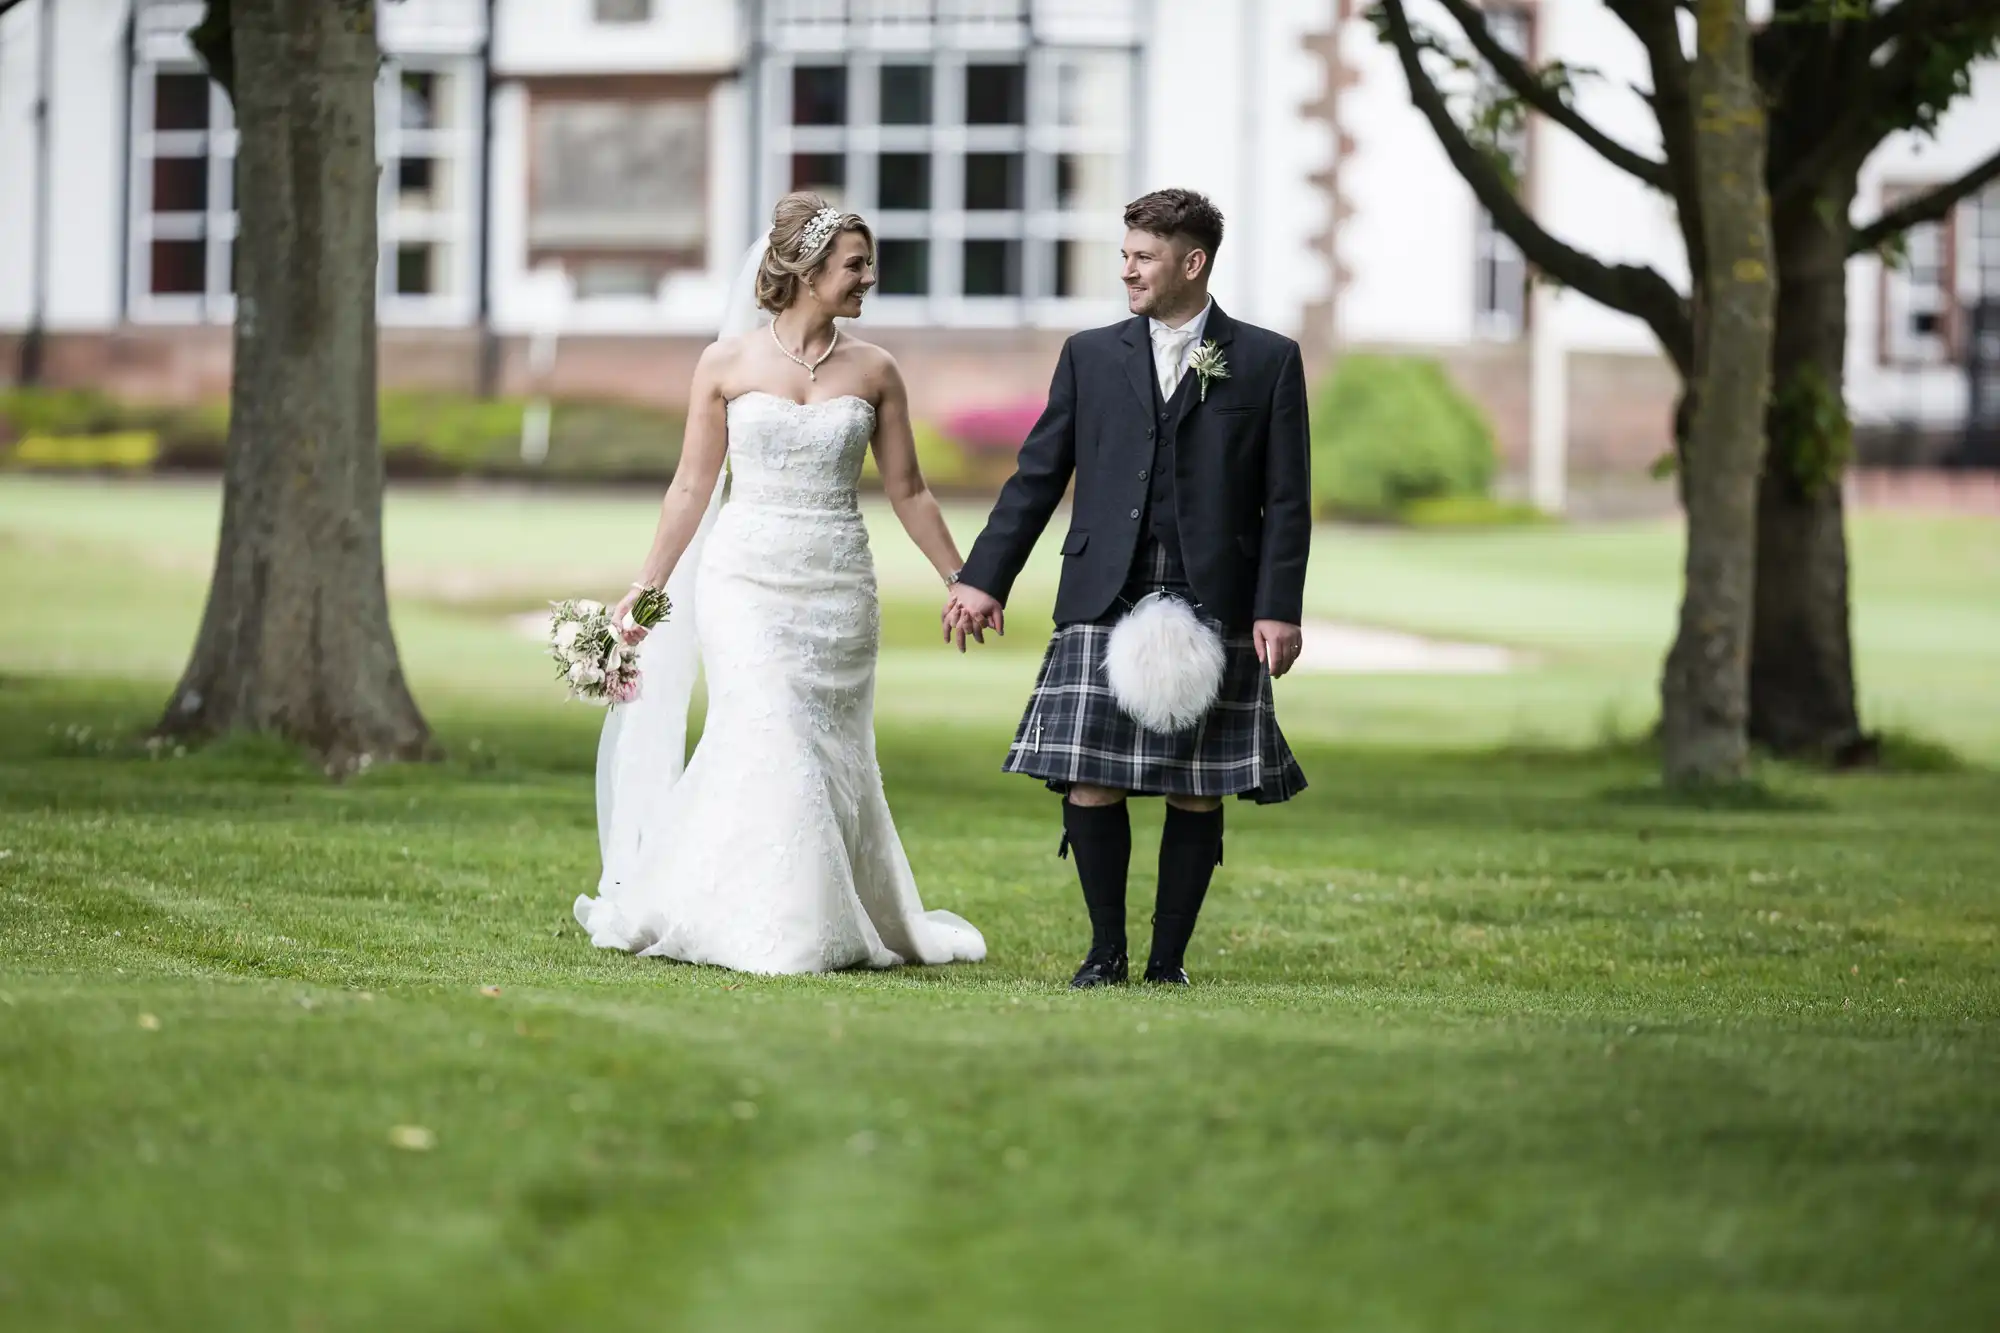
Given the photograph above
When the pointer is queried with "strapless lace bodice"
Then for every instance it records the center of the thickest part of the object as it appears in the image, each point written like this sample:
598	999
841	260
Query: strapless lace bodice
797	455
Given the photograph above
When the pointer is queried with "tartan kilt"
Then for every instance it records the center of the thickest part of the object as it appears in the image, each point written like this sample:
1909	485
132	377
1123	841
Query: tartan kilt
1074	732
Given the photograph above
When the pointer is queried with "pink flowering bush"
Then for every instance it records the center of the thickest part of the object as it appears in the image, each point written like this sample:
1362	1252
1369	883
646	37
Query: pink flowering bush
994	429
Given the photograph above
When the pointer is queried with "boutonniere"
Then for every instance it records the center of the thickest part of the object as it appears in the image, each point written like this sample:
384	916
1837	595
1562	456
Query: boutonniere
1208	364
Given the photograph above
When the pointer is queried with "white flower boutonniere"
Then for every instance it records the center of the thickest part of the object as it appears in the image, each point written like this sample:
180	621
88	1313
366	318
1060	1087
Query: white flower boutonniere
1208	364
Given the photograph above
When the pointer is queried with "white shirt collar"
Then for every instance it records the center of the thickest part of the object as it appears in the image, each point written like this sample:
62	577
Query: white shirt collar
1196	325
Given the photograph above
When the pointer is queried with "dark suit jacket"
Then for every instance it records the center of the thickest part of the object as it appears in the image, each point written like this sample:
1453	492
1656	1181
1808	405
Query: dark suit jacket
1241	477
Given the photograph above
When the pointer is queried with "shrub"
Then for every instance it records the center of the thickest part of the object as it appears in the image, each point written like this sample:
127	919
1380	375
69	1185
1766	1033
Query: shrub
422	434
74	429
606	441
1471	511
59	412
459	433
996	429
943	463
117	451
1391	431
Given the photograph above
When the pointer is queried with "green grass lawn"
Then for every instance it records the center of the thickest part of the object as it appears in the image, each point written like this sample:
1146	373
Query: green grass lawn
1489	1035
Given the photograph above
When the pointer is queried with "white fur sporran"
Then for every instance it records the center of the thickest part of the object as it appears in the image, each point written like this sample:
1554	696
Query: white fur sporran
1164	664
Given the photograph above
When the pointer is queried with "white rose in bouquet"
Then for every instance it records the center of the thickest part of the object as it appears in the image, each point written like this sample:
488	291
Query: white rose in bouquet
591	659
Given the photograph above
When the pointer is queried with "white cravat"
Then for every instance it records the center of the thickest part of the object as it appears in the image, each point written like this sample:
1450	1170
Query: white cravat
1172	347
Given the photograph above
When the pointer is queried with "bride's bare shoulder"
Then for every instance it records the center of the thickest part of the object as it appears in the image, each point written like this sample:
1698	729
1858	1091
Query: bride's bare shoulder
721	362
876	364
726	353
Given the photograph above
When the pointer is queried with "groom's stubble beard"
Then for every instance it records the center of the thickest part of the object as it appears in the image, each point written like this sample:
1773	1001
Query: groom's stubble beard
1170	296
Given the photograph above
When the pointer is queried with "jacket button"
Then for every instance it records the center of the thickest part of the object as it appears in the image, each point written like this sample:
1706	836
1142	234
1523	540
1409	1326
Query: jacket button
1135	513
1142	474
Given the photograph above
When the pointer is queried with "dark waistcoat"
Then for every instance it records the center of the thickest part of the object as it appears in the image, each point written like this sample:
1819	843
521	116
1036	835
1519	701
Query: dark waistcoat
1162	525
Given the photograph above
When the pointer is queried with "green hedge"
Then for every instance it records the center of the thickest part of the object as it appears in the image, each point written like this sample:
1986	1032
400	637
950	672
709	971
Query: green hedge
423	434
941	459
1392	432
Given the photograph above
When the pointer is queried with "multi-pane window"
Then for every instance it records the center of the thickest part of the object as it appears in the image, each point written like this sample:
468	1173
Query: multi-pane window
1919	295
991	178
1982	333
183	212
426	206
1500	273
1985	209
183	194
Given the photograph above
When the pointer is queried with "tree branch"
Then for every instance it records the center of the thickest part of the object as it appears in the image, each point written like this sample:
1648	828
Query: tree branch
1654	24
1640	292
213	42
1926	207
1515	73
1847	142
1929	46
1918	17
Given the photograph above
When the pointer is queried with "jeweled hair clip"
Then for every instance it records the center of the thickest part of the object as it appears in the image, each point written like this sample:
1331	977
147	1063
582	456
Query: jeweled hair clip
824	223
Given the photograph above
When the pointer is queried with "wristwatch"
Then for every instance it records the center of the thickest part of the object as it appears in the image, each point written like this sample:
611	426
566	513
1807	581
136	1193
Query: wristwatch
951	579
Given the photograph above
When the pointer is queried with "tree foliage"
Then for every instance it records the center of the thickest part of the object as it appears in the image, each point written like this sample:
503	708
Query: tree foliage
1838	75
1834	79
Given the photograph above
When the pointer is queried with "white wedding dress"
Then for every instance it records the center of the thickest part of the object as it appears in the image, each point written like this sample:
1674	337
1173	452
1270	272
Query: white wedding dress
774	851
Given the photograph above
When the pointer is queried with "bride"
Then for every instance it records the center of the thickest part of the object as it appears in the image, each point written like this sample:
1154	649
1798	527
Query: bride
774	851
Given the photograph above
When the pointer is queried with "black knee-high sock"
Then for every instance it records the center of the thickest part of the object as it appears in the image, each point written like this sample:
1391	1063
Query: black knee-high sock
1101	837
1190	849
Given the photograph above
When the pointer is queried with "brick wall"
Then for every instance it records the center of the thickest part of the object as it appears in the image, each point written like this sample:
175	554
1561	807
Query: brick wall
1621	406
1619	411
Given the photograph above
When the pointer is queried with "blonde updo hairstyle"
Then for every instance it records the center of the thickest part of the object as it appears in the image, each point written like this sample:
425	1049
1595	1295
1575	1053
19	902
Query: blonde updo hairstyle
787	263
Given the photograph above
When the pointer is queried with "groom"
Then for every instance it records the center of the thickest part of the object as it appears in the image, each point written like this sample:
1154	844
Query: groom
1186	434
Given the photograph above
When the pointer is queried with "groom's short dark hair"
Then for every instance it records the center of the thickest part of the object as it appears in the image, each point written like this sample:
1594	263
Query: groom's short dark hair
1175	213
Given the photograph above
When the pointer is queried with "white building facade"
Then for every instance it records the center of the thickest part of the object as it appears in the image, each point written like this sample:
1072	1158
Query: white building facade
594	169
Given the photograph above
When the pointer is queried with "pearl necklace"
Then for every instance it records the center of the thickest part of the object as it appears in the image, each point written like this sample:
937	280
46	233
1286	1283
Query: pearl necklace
811	367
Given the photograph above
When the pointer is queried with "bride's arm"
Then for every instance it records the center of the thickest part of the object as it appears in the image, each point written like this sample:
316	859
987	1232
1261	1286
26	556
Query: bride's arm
702	447
903	482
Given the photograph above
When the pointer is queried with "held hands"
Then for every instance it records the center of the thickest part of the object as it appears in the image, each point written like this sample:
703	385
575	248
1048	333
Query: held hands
968	611
1278	645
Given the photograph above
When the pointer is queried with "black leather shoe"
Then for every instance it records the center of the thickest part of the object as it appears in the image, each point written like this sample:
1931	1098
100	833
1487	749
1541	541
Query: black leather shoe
1161	975
1105	970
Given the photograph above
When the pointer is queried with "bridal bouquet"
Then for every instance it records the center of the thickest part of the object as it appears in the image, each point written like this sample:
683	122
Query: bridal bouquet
592	658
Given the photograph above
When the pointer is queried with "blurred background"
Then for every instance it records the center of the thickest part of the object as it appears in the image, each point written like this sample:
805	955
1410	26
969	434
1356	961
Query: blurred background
568	185
1487	1001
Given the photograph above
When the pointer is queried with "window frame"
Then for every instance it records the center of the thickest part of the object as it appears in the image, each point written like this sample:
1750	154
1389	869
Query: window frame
1040	225
1495	256
1892	290
457	225
660	260
215	225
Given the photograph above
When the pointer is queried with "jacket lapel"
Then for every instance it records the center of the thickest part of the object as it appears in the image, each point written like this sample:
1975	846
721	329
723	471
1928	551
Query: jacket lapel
1220	330
1139	361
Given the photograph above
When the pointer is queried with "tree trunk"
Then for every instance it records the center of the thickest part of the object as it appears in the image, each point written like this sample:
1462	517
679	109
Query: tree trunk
1801	660
295	639
1704	690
